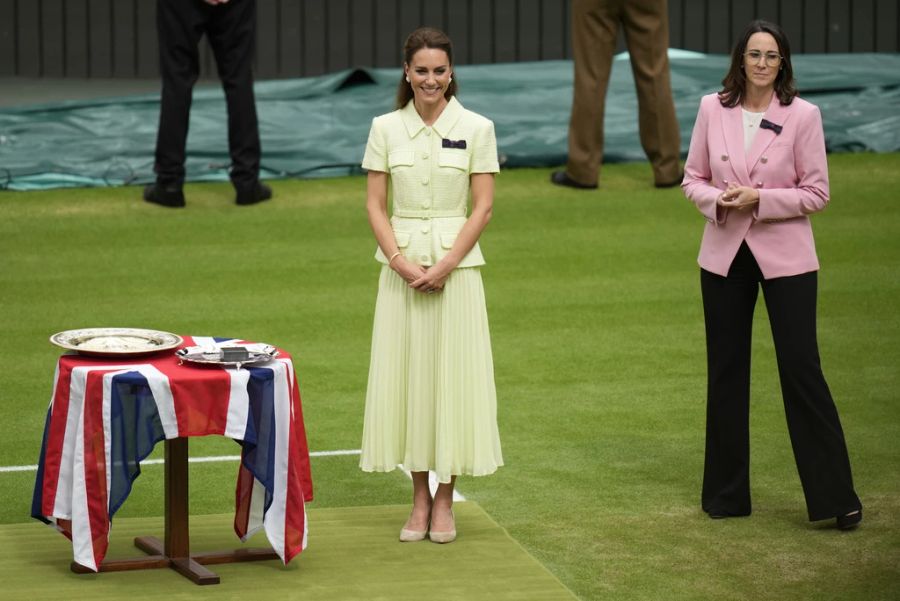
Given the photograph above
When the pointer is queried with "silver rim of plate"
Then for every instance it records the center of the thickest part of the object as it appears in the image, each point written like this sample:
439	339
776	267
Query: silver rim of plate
256	353
116	342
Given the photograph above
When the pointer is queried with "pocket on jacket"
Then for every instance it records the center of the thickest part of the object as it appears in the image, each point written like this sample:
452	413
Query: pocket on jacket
402	239
456	159
447	240
401	158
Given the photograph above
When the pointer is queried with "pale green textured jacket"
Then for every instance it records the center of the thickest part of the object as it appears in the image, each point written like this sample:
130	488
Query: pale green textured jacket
429	169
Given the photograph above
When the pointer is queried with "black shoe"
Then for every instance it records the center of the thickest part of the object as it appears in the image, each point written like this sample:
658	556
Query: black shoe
671	184
171	196
849	521
561	178
258	192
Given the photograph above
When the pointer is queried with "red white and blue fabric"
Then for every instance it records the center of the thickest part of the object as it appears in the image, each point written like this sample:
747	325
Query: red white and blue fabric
105	417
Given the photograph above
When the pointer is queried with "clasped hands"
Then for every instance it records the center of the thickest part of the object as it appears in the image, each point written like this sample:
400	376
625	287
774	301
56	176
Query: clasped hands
738	197
425	280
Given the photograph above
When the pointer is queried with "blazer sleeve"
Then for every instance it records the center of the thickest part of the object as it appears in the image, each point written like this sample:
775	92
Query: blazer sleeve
697	173
810	195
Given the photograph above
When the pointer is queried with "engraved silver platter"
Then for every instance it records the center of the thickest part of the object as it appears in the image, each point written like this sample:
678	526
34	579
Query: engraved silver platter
255	352
116	342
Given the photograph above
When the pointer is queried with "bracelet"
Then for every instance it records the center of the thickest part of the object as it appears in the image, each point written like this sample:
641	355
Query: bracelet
394	256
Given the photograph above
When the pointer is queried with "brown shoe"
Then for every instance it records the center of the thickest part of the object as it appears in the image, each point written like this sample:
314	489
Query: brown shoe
671	184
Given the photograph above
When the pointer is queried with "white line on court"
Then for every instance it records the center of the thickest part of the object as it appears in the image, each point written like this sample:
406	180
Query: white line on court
33	468
432	477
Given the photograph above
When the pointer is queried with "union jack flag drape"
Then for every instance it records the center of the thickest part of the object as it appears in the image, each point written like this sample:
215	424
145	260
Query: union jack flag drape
106	415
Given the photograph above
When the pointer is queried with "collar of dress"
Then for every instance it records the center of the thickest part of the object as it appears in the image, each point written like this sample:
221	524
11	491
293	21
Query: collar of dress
445	122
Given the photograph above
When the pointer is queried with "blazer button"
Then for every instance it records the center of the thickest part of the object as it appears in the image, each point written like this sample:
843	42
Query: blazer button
759	184
424	155
424	258
427	132
764	160
424	182
724	157
426	205
425	230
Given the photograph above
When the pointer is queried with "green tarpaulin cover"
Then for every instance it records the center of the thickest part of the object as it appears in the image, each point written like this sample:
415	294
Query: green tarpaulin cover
317	126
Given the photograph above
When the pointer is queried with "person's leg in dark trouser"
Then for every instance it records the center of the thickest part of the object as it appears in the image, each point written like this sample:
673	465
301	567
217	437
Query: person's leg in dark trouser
815	428
232	31
180	26
595	27
728	305
646	26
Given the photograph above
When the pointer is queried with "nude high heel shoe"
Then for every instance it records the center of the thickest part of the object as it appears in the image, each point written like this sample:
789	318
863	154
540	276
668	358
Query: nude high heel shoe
444	537
411	536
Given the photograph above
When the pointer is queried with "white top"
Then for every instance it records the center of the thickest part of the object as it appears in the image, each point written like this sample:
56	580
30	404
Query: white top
751	126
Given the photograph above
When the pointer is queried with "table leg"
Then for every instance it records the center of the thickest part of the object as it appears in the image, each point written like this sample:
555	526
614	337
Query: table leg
175	551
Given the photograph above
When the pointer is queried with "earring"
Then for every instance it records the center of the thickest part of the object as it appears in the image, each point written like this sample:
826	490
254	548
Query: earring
407	79
450	80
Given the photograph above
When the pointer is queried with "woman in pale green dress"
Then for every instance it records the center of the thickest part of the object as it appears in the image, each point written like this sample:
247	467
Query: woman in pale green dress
431	402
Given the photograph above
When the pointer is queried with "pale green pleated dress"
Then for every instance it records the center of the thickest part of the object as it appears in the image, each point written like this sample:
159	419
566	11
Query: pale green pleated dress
431	402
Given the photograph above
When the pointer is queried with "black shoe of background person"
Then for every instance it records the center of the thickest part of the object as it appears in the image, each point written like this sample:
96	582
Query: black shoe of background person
561	178
171	196
258	192
671	184
849	521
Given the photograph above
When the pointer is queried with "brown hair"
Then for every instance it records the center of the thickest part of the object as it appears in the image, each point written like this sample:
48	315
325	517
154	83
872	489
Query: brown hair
424	37
734	86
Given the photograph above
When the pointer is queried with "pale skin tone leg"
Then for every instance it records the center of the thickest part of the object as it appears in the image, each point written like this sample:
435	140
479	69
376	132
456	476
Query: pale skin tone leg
441	517
437	510
422	503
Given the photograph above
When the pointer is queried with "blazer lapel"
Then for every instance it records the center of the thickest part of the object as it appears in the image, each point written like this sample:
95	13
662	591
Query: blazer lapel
733	126
777	114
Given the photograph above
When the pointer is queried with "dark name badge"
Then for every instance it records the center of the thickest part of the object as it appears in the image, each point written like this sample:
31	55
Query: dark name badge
461	144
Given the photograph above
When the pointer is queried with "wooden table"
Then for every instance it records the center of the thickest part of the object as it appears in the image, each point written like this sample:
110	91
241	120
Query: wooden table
175	551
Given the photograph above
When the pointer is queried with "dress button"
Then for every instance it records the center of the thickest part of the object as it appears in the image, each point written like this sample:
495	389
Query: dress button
424	258
425	230
426	205
424	155
424	182
427	132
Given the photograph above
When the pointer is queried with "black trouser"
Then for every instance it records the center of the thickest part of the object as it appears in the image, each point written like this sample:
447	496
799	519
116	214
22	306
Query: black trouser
230	29
813	423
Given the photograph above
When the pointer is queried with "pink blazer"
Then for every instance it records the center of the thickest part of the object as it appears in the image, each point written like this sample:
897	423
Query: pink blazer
789	169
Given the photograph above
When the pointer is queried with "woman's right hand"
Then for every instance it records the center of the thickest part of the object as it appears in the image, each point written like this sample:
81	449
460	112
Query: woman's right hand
407	270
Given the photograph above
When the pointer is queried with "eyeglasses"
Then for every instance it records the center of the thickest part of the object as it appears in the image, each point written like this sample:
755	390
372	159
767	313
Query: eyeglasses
754	56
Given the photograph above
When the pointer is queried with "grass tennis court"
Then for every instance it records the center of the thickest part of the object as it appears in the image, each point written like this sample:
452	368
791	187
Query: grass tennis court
599	353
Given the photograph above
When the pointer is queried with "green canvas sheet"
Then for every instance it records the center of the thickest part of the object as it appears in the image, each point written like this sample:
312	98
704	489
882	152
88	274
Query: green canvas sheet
316	127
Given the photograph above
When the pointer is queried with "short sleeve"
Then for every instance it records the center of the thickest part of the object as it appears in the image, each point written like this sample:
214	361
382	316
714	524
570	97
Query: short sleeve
375	158
484	155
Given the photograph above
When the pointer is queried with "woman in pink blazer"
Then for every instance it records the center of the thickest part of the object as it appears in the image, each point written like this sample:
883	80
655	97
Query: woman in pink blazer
756	170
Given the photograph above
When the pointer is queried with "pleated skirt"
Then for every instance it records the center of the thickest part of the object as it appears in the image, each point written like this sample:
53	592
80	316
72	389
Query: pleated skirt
431	403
